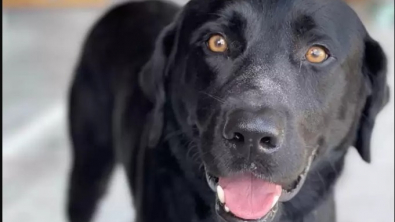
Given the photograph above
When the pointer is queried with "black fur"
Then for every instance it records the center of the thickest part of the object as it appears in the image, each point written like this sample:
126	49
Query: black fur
149	94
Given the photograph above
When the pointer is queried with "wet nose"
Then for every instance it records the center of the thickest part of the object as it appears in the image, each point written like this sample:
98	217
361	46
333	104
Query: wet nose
261	131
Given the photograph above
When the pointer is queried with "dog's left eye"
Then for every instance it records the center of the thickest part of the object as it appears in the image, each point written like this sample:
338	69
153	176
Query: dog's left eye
217	43
316	54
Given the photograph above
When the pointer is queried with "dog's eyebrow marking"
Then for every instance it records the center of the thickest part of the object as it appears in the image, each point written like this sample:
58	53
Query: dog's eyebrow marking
238	22
303	24
243	18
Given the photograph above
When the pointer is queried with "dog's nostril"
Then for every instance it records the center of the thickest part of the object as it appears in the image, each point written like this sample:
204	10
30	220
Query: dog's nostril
238	137
268	142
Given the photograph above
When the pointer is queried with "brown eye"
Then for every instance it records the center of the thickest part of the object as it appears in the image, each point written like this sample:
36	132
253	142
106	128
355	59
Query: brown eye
316	54
217	43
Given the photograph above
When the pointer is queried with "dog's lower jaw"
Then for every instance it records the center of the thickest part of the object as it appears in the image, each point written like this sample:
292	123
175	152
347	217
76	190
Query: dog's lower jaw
323	212
319	186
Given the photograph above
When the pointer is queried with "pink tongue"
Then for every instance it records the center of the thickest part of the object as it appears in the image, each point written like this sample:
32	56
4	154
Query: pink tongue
248	197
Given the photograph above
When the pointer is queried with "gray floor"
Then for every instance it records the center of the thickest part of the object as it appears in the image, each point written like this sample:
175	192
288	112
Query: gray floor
40	49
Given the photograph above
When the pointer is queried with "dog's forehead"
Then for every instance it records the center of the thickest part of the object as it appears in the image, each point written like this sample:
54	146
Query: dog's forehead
329	15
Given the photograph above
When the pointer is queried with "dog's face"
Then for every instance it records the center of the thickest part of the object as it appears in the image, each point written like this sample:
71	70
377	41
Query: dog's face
269	86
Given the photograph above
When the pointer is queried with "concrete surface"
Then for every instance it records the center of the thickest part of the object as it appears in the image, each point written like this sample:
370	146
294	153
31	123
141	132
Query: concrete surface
40	50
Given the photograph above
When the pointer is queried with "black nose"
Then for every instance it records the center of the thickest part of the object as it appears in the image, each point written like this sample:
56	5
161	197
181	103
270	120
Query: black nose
255	131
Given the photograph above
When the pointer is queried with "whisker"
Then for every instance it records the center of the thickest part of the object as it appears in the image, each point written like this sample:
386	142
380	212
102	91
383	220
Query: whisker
212	96
172	134
321	178
300	66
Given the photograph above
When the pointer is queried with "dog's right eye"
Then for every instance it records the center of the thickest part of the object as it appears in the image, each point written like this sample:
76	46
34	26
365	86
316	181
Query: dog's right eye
217	43
317	54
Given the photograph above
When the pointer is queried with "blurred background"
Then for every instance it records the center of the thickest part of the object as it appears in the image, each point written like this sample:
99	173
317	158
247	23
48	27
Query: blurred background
41	43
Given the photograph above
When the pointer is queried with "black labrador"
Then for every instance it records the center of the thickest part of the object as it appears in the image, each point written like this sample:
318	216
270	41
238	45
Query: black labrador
223	110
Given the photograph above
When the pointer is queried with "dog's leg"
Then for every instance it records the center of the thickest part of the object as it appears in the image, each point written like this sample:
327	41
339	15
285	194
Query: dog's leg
93	157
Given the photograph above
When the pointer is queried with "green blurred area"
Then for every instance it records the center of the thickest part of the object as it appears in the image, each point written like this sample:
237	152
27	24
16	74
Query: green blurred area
377	13
384	14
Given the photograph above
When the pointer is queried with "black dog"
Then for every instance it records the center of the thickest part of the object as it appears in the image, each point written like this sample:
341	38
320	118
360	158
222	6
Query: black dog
224	110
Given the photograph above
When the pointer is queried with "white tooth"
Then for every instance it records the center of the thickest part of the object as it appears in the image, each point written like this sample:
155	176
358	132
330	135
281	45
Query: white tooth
275	200
220	194
226	209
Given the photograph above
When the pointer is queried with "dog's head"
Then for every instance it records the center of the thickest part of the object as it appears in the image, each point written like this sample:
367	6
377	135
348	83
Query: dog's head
264	88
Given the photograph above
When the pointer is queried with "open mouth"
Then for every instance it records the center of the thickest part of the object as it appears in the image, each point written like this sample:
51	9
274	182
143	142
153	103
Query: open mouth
246	197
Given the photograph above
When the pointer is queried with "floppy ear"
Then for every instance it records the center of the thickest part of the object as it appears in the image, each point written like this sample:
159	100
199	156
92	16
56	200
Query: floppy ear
152	82
375	70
